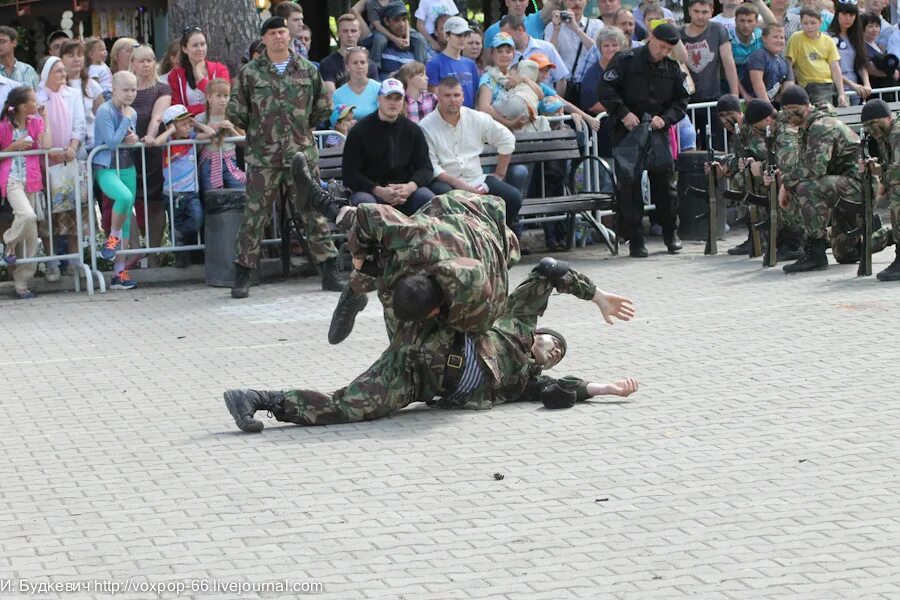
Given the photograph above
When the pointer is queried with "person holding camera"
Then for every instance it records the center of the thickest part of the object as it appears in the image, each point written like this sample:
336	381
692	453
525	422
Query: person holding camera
573	35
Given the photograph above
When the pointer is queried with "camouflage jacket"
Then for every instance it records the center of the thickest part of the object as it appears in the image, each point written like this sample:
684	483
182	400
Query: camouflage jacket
278	112
889	158
749	142
827	147
787	144
505	350
461	239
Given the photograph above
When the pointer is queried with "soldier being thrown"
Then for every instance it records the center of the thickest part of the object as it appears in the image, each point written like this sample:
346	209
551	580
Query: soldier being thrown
459	239
278	98
877	122
426	360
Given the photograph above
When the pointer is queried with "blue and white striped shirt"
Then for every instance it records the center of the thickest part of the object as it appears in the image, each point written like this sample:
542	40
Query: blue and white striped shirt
471	379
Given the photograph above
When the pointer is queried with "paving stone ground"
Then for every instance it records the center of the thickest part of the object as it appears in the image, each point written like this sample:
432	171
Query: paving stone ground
759	459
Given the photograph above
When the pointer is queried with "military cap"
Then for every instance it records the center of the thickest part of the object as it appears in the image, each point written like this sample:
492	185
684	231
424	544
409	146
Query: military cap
794	95
757	110
876	108
666	32
272	23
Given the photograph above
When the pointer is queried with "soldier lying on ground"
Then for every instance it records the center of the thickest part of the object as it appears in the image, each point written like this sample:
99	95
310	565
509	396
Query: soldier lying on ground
429	362
459	239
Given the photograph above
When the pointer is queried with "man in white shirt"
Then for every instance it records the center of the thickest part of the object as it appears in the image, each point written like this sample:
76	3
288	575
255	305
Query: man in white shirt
527	45
456	137
6	86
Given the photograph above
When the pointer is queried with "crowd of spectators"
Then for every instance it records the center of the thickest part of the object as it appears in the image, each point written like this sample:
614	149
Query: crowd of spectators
415	96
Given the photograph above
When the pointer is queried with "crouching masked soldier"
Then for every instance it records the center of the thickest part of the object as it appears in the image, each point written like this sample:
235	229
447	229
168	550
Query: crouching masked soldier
827	171
428	362
460	240
878	123
750	152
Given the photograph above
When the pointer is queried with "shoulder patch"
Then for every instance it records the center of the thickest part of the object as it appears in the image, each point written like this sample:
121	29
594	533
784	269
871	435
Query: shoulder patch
610	75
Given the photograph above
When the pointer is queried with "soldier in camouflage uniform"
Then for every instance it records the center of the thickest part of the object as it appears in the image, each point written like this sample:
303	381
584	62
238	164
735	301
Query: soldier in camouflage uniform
827	171
429	360
751	140
877	122
278	104
459	239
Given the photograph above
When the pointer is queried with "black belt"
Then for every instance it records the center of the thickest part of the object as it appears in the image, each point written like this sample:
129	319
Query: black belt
455	366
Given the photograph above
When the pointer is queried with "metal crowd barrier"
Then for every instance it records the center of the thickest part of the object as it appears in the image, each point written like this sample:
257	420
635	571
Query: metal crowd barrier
77	254
146	248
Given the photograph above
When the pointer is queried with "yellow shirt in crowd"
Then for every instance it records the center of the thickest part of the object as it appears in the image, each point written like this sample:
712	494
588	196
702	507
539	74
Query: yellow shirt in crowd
811	58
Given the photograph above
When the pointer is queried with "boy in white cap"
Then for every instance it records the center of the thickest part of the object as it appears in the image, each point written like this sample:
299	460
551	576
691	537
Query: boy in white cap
180	170
451	63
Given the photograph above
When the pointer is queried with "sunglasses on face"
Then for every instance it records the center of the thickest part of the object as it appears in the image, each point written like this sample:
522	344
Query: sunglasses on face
190	28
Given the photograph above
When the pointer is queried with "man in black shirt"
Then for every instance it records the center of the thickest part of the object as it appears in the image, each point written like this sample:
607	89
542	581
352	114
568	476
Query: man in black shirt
386	156
637	84
332	67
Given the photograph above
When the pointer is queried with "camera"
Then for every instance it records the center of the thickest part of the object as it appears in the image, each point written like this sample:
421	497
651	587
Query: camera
565	15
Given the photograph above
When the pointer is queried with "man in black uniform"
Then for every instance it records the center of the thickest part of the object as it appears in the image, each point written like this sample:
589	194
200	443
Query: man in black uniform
637	83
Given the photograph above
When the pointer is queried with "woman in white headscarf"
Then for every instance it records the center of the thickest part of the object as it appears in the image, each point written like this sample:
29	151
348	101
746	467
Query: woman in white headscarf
65	115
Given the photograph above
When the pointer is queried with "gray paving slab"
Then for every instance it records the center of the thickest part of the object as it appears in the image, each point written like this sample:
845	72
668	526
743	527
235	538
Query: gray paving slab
759	459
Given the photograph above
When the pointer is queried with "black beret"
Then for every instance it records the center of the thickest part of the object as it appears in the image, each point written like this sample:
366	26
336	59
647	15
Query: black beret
794	95
666	32
728	103
272	23
876	108
757	110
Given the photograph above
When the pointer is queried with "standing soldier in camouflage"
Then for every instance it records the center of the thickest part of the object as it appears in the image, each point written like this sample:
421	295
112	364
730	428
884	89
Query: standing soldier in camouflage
827	171
277	99
877	121
428	360
458	239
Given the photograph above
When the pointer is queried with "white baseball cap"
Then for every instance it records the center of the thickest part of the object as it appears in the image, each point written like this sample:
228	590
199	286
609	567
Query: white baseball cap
457	25
175	112
391	86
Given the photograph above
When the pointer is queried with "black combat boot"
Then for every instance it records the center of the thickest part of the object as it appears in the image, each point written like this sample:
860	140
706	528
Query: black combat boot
892	273
330	280
673	243
636	246
813	260
241	287
243	404
349	305
310	193
790	247
742	249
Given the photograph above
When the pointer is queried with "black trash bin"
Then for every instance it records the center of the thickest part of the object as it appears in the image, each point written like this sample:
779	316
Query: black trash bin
224	211
692	206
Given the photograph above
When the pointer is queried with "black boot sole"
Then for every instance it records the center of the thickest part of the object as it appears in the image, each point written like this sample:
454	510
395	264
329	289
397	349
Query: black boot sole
240	292
337	333
248	426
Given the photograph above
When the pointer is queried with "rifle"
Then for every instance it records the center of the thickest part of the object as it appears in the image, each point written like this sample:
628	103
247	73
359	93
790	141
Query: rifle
747	197
771	258
864	209
712	184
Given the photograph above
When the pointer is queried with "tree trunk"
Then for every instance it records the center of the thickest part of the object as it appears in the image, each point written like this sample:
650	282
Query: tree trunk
181	14
230	26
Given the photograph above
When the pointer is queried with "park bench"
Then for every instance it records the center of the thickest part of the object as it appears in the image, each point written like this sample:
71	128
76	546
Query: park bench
535	149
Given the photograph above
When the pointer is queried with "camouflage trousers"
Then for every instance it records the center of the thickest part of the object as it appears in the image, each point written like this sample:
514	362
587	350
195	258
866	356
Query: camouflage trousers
389	384
814	201
889	234
264	187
